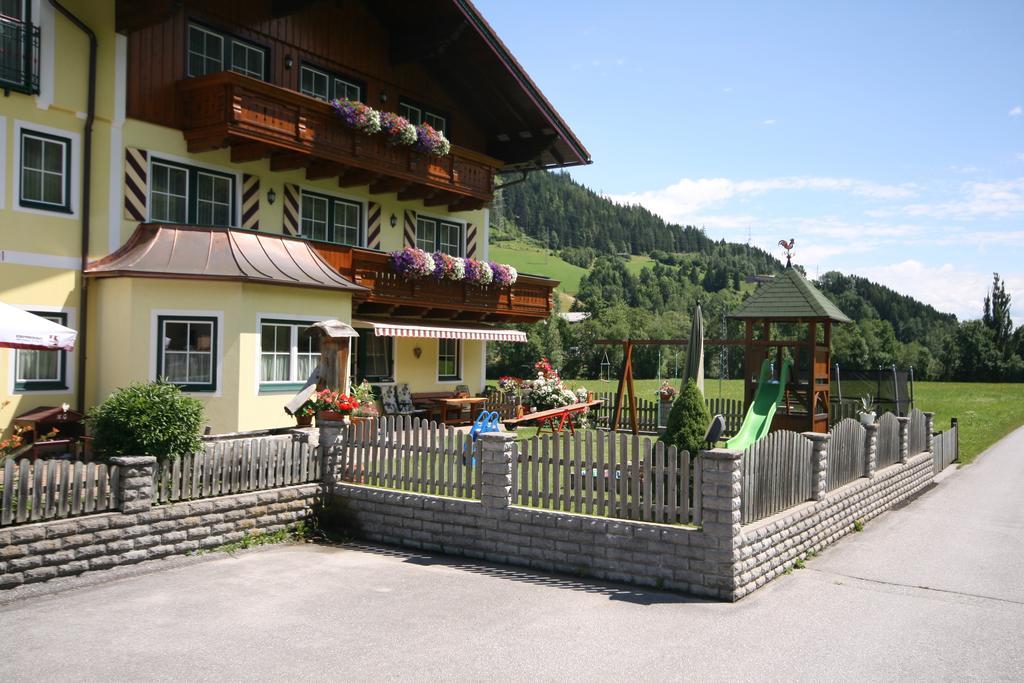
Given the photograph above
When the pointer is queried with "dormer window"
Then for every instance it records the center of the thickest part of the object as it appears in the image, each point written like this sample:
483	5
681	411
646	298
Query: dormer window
210	51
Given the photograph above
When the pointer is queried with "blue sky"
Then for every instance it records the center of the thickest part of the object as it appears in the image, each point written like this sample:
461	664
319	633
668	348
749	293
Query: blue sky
887	138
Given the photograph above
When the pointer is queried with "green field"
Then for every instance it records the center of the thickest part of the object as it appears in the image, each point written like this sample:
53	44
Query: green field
987	412
536	261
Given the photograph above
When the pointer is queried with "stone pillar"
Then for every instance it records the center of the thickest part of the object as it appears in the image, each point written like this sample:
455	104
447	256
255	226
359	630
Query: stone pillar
721	488
904	437
819	464
135	474
870	449
495	459
929	431
332	448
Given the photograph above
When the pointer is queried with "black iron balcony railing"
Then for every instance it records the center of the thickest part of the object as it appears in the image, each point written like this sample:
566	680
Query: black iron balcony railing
19	56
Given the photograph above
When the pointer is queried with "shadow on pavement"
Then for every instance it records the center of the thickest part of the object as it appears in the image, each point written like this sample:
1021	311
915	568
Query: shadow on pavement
637	596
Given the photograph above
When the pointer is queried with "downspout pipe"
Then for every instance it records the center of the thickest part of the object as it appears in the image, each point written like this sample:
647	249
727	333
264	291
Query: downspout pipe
90	116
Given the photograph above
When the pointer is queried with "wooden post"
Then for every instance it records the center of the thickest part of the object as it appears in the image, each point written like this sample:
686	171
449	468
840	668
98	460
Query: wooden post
625	380
334	353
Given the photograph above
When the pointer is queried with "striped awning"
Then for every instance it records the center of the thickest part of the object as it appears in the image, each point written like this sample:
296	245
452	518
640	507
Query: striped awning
484	333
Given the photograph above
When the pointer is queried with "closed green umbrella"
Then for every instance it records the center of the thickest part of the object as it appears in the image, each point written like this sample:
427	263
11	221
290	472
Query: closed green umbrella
694	368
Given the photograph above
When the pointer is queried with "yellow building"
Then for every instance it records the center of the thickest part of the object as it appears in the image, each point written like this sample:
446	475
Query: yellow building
192	203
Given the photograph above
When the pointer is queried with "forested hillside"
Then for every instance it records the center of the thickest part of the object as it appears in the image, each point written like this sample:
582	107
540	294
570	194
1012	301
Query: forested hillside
681	266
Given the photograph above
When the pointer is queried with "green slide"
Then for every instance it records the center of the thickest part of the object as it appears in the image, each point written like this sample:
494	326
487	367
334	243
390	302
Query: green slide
762	410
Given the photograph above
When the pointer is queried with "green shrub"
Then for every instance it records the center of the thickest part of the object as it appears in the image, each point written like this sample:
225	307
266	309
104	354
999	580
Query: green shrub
147	419
688	420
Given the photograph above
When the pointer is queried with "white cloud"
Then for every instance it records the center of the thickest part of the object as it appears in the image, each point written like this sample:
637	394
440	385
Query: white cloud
1016	111
1000	198
946	287
963	169
688	197
769	122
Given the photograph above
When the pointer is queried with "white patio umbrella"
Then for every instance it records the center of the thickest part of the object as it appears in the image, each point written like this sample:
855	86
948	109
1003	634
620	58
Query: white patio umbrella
694	368
23	330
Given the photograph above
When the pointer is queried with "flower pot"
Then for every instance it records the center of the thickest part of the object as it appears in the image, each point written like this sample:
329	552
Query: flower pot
331	415
303	420
356	419
520	411
867	419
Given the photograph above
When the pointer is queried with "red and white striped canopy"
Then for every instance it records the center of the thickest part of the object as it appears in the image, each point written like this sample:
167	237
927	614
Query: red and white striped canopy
23	330
390	329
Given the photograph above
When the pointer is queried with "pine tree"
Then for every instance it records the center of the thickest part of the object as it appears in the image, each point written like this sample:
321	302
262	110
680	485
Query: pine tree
688	420
996	315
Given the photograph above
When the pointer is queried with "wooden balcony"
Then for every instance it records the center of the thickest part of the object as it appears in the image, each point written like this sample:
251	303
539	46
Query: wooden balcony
258	120
528	300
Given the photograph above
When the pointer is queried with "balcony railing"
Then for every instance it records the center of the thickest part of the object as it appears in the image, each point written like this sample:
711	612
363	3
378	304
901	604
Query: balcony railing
258	120
19	56
528	300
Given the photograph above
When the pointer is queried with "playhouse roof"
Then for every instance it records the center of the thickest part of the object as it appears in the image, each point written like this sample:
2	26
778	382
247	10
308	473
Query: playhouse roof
789	297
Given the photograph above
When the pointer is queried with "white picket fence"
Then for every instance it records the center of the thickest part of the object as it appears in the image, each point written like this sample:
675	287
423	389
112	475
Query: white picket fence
608	475
411	454
52	489
237	465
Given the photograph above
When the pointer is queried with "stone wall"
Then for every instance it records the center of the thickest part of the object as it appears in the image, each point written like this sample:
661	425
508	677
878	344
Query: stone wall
769	547
722	559
677	558
142	531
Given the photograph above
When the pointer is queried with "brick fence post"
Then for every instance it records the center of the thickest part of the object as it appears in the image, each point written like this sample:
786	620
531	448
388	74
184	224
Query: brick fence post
332	448
929	436
721	515
495	454
819	464
904	437
870	449
136	482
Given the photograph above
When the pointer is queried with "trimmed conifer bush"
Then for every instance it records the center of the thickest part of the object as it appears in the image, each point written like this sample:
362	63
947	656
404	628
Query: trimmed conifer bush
688	420
152	418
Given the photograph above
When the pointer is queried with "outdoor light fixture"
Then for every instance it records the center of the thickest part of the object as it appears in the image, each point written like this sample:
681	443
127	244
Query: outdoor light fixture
288	61
271	196
417	351
384	96
394	220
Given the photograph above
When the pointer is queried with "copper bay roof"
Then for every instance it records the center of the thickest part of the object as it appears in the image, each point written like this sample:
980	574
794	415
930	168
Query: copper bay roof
201	253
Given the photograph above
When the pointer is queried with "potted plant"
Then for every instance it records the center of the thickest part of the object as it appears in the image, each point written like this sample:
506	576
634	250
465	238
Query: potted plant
304	415
333	405
666	392
867	411
367	408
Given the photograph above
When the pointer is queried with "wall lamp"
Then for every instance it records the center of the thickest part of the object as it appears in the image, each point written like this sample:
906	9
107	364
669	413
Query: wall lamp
271	196
288	61
394	220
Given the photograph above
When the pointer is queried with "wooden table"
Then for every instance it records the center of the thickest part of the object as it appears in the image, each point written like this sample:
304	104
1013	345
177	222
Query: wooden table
447	403
556	418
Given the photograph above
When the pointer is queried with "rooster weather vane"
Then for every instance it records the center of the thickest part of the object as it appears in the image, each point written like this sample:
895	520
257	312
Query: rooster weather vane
788	246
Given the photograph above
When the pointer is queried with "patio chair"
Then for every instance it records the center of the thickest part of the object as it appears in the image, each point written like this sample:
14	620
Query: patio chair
390	402
405	404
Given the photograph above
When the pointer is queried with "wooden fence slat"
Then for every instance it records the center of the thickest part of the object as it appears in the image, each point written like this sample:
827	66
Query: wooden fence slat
588	469
601	477
7	502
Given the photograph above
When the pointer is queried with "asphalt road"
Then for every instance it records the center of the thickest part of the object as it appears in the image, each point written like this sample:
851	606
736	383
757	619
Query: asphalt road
931	591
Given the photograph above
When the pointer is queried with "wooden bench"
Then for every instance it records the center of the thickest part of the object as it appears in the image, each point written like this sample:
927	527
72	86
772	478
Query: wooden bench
428	400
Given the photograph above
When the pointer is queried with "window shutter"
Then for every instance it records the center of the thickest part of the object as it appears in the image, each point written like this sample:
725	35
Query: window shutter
291	209
470	240
250	202
373	226
410	228
136	183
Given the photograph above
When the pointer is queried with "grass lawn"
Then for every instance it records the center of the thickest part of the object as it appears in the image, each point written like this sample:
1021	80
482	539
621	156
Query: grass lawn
987	412
536	261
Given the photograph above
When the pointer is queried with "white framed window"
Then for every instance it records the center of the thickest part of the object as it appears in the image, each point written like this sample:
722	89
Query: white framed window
434	234
187	351
247	59
289	352
37	370
449	360
45	172
417	114
205	51
179	193
331	219
325	85
210	51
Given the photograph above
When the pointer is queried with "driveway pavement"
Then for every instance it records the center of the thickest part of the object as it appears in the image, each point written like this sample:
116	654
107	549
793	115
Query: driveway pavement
934	590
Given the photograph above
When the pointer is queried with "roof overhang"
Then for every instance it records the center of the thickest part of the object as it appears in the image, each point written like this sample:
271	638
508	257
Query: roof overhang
471	332
202	253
